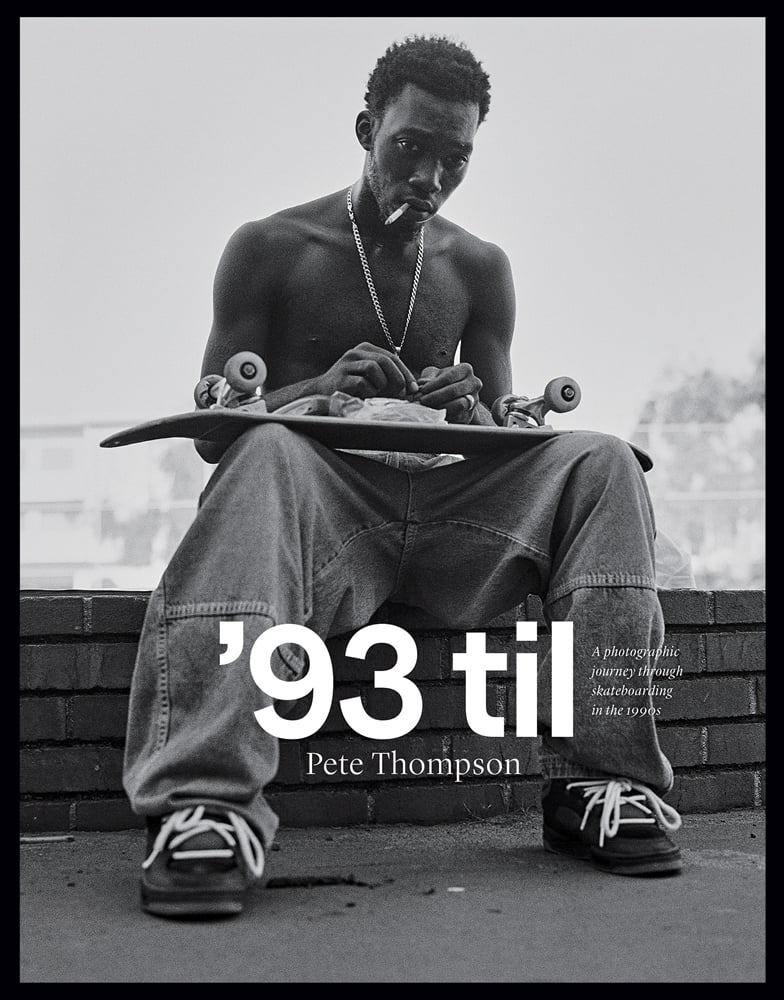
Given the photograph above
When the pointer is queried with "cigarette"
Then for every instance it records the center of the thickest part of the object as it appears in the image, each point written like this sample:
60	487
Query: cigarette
397	213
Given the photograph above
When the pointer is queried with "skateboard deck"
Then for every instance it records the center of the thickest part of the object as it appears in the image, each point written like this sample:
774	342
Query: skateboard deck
226	425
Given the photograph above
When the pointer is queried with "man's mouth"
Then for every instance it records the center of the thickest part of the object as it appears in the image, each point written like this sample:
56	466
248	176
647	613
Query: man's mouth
419	205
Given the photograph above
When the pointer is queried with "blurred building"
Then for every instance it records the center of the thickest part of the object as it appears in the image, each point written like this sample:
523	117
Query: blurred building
102	518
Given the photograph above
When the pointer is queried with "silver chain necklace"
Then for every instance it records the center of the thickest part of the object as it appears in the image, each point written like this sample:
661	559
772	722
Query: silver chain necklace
397	348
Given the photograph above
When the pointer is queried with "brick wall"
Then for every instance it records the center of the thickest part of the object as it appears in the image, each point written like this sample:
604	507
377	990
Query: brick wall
77	657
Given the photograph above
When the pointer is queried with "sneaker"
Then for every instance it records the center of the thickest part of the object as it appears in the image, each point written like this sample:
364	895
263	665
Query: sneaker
200	864
614	823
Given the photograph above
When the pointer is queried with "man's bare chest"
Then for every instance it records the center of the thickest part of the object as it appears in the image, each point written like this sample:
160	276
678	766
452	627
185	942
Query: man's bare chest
325	307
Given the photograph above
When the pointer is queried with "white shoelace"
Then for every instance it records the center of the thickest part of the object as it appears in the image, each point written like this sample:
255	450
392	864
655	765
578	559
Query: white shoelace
187	823
613	793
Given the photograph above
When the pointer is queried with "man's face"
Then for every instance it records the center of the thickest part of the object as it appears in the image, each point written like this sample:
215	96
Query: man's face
419	153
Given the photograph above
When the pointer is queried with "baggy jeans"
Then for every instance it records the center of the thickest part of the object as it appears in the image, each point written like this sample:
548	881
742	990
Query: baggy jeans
290	531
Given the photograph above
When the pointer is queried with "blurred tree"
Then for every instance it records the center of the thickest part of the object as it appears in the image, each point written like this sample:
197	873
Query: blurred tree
705	432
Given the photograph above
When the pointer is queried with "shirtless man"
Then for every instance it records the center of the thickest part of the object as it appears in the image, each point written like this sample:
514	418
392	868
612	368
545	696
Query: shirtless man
289	531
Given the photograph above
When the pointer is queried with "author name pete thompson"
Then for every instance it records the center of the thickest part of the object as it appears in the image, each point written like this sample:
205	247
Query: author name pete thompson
383	763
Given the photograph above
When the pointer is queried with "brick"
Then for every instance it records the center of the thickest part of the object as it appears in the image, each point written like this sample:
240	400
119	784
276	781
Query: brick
760	691
736	743
439	803
713	792
432	662
691	647
704	698
335	722
289	766
99	716
443	707
506	748
738	606
682	745
509	693
735	651
44	817
373	768
526	796
50	614
71	769
499	641
432	659
41	719
320	807
345	669
106	814
436	716
77	667
117	613
687	607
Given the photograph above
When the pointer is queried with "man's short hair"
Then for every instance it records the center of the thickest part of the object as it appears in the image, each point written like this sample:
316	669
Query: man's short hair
437	65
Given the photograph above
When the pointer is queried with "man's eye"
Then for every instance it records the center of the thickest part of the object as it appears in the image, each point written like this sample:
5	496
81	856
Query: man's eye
408	145
455	162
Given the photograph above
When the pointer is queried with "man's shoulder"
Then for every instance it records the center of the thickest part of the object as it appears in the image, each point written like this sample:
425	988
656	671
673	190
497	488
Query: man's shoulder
290	224
468	247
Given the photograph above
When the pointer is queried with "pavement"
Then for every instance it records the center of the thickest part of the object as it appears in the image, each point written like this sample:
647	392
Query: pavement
479	901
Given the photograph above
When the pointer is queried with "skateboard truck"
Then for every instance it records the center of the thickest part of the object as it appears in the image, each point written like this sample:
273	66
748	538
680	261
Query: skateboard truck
241	384
560	395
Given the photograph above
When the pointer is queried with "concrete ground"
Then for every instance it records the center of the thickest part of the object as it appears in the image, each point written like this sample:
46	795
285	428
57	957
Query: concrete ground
471	902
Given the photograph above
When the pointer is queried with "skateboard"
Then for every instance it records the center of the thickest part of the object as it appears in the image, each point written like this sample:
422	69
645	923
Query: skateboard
560	395
232	403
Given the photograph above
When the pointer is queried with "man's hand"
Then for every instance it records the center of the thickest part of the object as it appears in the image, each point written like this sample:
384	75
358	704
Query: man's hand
455	389
365	371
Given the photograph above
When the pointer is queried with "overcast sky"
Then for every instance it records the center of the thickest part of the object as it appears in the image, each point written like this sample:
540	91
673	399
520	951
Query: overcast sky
620	168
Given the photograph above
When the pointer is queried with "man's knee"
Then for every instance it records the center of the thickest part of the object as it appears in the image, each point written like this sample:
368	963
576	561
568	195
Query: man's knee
262	459
602	452
270	442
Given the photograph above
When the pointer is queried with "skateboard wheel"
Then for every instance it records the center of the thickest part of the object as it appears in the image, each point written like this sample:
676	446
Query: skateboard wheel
245	372
500	407
204	394
562	394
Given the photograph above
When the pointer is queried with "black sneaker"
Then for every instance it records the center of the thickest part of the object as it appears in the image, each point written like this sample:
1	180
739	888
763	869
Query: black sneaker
614	823
200	864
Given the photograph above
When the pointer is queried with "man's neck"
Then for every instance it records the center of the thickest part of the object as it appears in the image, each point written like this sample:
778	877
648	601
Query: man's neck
370	221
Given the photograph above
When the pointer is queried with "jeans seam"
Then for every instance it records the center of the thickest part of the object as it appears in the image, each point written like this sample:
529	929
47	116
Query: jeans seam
409	532
611	580
164	701
492	531
214	609
347	541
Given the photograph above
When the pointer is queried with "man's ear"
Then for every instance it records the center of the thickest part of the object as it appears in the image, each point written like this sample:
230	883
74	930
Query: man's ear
364	130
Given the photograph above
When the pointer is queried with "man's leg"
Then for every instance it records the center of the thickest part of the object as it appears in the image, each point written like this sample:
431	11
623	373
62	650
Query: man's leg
287	532
571	520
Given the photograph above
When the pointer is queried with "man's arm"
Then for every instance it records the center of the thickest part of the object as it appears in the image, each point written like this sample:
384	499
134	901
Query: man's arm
487	340
248	276
242	302
484	346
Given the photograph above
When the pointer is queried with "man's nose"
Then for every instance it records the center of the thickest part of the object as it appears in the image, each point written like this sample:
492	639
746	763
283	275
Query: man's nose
427	177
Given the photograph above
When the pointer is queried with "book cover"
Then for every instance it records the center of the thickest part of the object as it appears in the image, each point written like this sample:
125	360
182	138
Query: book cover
619	169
